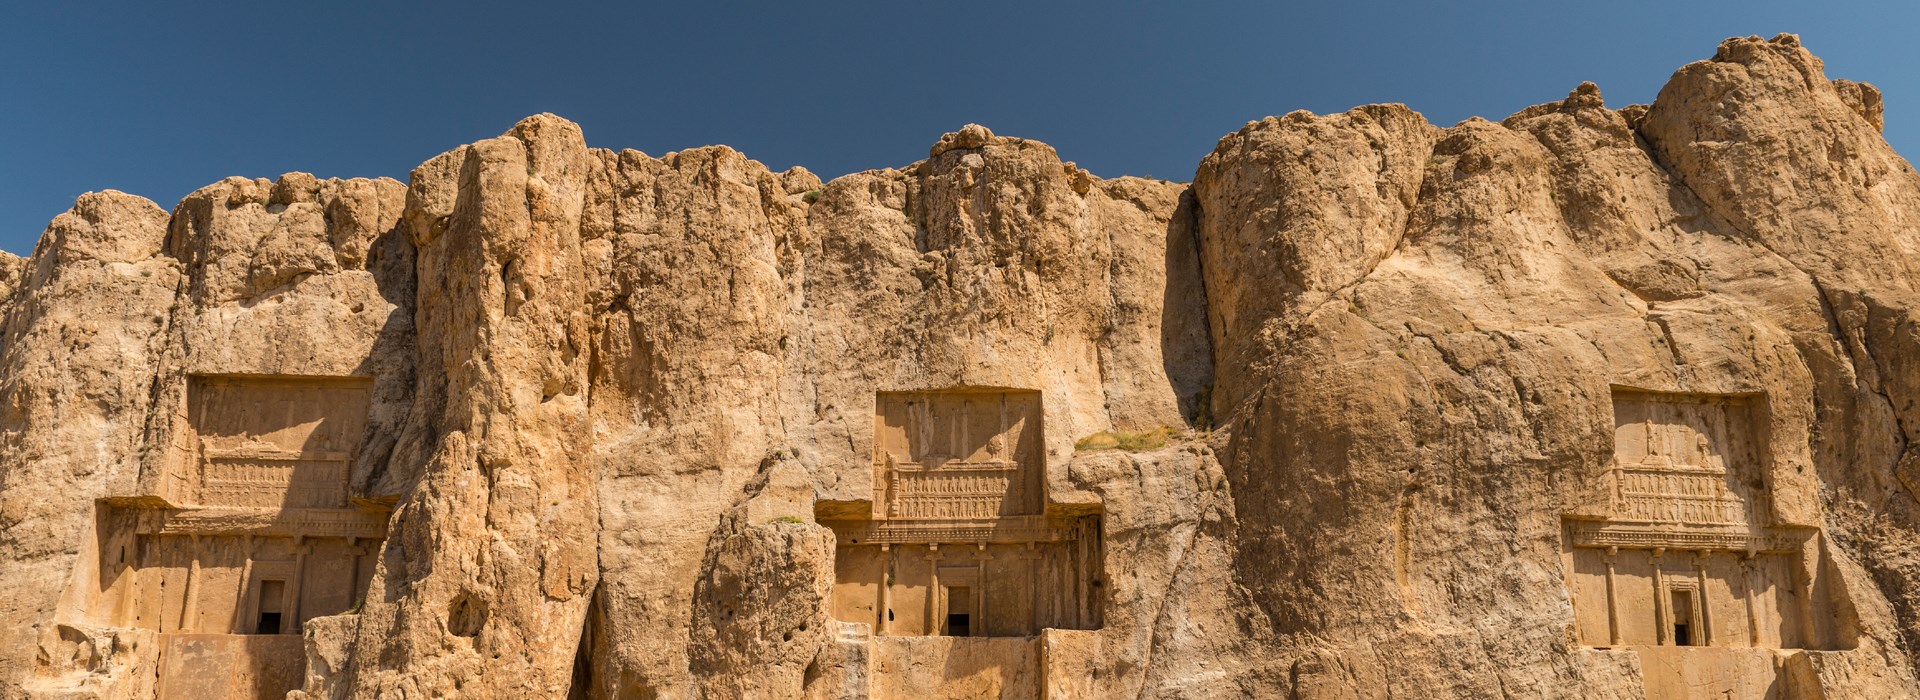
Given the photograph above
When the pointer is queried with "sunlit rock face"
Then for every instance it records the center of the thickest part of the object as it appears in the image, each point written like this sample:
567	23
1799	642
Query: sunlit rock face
1584	403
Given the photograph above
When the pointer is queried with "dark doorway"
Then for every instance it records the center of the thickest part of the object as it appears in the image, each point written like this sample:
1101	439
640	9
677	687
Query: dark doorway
272	594
959	611
1682	618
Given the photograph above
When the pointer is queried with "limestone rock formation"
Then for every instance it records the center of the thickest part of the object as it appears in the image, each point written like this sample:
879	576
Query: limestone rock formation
1587	402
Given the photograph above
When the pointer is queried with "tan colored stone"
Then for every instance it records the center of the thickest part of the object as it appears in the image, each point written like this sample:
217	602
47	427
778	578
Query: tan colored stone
760	627
1584	403
13	270
82	342
484	584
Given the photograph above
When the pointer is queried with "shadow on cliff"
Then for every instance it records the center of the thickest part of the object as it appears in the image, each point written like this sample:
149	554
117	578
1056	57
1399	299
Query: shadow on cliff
1186	347
391	363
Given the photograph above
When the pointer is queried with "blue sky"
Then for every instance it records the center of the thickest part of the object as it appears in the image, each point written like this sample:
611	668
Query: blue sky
158	100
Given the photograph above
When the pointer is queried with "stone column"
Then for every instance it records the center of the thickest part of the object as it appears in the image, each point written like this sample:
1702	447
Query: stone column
1803	581
1613	606
1662	634
1032	557
1706	606
980	595
935	617
243	604
886	582
1083	574
190	606
1746	585
353	572
292	605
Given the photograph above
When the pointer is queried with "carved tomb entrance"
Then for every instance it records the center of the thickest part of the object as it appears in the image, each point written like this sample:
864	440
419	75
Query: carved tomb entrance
249	534
957	540
1689	555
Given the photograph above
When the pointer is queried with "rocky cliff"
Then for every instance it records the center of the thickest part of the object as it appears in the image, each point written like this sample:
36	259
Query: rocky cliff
1583	403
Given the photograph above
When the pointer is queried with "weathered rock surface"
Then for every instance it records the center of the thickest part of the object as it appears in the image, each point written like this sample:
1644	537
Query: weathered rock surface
83	339
761	622
1371	378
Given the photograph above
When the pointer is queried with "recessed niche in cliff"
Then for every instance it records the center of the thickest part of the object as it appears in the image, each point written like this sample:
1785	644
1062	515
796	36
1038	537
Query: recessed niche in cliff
269	442
958	541
249	534
1690	554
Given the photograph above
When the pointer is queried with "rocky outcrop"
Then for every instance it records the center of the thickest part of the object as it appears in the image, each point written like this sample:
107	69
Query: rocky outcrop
1583	403
748	313
484	587
685	254
178	297
1441	408
761	619
83	338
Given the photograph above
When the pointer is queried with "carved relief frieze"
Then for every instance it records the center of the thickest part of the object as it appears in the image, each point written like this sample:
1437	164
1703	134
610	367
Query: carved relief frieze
1601	534
311	522
958	456
954	490
274	442
1684	459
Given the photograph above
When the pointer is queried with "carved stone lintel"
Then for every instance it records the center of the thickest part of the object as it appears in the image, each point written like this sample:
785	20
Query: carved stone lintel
1009	530
266	522
1616	536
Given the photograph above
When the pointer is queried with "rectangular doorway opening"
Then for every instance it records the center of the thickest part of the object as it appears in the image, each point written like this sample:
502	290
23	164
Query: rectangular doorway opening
959	611
1683	618
272	593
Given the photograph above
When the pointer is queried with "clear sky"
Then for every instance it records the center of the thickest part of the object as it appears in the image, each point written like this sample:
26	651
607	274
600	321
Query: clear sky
158	100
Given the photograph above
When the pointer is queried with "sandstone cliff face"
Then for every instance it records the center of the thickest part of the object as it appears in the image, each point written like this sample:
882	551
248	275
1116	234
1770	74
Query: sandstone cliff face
490	559
84	335
1544	260
123	304
611	415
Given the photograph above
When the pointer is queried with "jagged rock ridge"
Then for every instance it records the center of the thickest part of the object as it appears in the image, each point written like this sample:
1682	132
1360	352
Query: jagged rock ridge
1583	403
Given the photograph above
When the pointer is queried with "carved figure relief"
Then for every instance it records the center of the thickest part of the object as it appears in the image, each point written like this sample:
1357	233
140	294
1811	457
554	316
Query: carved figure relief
275	443
1670	462
1688	555
960	457
958	541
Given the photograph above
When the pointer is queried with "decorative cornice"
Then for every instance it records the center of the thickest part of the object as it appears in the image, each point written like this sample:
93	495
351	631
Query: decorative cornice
1014	529
267	522
1661	536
